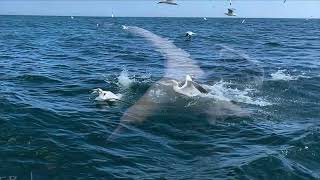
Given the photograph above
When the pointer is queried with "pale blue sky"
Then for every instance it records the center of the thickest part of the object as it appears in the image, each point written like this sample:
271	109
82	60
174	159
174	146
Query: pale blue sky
138	8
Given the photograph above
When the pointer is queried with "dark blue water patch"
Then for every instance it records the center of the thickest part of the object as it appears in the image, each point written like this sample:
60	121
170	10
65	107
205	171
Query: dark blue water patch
37	79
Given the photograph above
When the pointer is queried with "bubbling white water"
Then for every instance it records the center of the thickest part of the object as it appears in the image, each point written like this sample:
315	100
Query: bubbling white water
284	75
222	91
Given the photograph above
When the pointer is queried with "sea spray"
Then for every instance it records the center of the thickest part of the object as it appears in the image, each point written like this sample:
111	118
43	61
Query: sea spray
124	79
224	92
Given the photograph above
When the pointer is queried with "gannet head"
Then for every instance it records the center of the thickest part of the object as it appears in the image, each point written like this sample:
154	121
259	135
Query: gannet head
188	78
97	91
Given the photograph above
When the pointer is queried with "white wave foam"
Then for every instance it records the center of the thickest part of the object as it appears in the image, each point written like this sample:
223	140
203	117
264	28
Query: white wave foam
222	91
284	75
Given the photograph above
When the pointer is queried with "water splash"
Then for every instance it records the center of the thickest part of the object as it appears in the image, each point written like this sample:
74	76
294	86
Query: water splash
124	79
224	92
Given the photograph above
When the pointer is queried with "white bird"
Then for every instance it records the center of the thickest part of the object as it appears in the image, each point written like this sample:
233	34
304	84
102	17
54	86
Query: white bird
189	88
230	12
71	17
243	21
106	95
189	34
124	27
204	18
171	2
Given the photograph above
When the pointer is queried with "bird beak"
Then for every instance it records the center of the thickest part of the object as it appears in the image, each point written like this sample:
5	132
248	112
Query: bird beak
94	91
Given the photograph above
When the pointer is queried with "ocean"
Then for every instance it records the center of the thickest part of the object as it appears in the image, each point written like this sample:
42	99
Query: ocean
259	120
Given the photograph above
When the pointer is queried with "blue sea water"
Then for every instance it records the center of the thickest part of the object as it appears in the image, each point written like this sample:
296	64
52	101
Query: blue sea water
51	127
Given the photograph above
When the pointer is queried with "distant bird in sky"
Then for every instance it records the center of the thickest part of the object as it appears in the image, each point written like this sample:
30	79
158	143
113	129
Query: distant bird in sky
171	2
284	1
230	12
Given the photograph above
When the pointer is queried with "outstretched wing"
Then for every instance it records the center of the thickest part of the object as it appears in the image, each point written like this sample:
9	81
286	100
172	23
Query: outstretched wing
178	62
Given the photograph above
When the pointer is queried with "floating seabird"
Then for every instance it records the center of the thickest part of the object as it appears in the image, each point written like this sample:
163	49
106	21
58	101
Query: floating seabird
189	88
124	27
230	12
171	2
106	95
189	34
71	17
204	18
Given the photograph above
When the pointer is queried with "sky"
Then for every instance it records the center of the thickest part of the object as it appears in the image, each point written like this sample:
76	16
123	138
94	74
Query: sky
150	8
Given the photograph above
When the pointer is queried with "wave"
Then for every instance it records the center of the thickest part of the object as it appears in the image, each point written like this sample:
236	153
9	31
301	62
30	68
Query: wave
273	44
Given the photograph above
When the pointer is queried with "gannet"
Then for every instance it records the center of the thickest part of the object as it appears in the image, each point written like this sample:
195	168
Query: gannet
189	88
171	2
106	95
189	34
230	12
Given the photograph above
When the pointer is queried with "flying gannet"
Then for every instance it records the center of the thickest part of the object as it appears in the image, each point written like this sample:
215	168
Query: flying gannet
230	12
178	67
171	2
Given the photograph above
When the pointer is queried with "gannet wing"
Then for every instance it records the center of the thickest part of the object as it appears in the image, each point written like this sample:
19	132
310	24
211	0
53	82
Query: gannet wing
178	66
200	88
178	62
